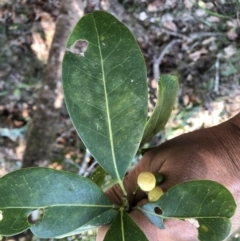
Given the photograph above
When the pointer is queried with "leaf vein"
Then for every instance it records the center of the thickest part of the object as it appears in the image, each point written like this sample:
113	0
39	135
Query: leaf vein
124	127
123	109
90	104
112	50
107	29
94	131
116	66
86	73
120	83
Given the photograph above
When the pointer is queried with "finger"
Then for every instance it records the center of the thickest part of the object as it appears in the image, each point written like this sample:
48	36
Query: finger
101	232
175	230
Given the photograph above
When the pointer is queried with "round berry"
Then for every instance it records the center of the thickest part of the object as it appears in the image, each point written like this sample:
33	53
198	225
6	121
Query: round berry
155	194
146	181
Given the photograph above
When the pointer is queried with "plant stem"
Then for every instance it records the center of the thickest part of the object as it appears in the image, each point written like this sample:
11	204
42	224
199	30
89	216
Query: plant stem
125	204
116	206
120	182
137	188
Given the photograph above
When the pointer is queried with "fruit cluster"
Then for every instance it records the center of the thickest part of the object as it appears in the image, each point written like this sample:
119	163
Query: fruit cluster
147	181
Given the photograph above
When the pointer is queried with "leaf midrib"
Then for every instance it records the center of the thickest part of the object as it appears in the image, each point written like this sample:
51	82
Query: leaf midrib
107	107
122	225
59	205
158	105
180	217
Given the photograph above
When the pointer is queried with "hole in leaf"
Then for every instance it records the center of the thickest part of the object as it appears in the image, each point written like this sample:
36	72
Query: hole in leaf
35	216
79	47
158	211
1	216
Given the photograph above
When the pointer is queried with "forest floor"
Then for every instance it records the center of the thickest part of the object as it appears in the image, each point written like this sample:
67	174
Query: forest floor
197	40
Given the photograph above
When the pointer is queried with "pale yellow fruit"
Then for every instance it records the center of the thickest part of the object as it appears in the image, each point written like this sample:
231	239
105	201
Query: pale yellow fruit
201	4
146	181
155	194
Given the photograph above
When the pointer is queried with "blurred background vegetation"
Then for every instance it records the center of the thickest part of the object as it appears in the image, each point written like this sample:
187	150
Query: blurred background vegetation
197	40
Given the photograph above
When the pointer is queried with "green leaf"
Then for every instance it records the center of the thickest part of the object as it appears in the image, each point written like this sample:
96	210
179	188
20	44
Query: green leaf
152	215
228	70
68	201
167	93
124	228
98	176
213	229
105	90
207	201
107	216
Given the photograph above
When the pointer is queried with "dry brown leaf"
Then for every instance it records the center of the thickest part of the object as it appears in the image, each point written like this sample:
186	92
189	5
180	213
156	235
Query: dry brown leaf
200	12
229	51
233	23
208	40
197	54
152	8
171	3
213	19
170	26
155	5
231	34
189	3
209	5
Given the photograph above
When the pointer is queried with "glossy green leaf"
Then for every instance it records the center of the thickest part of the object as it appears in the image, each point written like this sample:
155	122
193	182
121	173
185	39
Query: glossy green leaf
207	201
68	201
124	228
102	219
105	90
98	176
167	93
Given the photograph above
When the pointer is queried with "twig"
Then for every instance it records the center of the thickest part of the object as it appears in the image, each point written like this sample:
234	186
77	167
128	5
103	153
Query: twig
84	163
238	17
204	34
216	82
179	35
157	62
69	161
192	36
90	169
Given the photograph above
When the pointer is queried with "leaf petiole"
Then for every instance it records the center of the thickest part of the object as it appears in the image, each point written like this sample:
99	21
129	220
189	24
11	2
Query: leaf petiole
120	182
137	188
125	200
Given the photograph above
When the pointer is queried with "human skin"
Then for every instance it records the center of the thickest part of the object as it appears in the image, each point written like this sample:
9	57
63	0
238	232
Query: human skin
211	153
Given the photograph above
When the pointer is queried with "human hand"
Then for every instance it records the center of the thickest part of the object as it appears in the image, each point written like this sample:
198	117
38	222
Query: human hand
212	154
